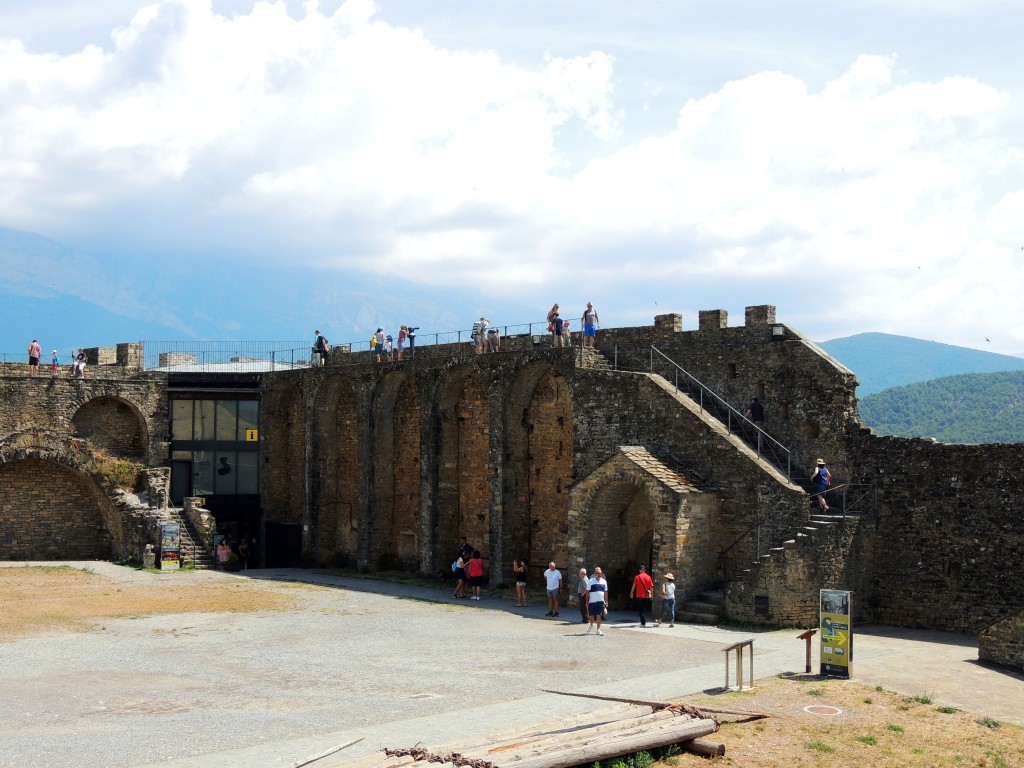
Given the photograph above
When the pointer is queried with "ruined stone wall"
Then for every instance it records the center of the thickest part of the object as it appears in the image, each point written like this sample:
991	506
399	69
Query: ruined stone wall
949	543
51	512
1003	643
127	415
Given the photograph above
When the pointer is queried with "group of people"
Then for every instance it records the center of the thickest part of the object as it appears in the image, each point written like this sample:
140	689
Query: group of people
469	571
224	551
486	337
385	347
560	328
35	352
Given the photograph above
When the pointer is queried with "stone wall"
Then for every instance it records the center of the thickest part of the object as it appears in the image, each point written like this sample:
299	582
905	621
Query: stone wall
1003	643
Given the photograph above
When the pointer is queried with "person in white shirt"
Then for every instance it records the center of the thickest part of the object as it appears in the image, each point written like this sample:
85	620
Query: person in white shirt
597	600
668	600
553	577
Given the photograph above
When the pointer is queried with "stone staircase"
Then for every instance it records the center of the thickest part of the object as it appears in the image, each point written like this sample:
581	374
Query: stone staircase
588	357
192	553
707	608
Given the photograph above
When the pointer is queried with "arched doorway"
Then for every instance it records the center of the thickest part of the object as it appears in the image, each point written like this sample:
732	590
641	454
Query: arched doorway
620	535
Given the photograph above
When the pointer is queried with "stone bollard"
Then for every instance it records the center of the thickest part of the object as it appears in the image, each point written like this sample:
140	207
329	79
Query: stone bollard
149	557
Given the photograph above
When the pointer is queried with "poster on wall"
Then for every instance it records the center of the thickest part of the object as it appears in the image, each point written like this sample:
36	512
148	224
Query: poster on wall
836	632
170	546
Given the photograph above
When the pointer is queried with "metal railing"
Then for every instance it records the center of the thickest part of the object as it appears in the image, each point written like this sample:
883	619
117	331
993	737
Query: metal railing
227	356
653	360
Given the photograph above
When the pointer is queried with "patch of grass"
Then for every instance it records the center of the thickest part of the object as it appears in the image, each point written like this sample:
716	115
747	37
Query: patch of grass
815	692
895	728
921	698
947	710
820	746
988	722
870	740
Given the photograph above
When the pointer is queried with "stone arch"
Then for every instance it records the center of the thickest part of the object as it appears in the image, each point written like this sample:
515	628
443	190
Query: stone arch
52	511
463	493
282	476
619	532
334	483
395	495
114	425
538	467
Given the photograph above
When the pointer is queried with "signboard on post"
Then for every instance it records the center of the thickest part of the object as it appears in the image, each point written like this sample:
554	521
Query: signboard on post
836	633
170	546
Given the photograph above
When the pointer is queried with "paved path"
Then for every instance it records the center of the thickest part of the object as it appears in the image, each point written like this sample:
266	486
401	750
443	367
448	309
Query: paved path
396	665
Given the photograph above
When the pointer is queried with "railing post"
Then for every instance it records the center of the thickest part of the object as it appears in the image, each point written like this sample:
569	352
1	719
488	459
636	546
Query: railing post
272	364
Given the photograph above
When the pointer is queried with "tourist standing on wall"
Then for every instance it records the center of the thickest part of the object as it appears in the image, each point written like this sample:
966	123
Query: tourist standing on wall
590	323
553	582
389	347
377	343
668	600
582	587
555	326
403	336
80	360
54	367
34	353
479	334
320	348
597	600
493	339
641	591
519	576
822	479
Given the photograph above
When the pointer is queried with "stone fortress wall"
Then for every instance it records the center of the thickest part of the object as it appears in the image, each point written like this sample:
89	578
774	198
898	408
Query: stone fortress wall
545	454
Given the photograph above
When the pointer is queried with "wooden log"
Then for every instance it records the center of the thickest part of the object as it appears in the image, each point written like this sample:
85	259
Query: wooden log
704	748
616	745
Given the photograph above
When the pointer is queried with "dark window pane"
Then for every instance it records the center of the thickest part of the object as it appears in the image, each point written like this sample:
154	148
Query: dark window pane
224	473
202	473
248	416
248	473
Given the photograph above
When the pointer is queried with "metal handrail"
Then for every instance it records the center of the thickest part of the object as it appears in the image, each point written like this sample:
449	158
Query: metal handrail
766	446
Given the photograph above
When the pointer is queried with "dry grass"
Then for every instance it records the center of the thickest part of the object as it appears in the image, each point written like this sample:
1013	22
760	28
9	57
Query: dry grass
44	599
876	728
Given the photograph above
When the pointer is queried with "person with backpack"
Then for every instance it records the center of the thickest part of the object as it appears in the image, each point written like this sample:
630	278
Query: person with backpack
822	479
320	348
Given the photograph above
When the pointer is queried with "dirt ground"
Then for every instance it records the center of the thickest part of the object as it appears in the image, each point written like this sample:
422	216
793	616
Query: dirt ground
814	721
47	598
853	723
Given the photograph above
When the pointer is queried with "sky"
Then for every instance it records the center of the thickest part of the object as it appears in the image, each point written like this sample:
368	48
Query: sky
224	169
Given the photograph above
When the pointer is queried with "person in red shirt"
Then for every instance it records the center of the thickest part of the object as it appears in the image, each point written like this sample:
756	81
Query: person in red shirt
641	591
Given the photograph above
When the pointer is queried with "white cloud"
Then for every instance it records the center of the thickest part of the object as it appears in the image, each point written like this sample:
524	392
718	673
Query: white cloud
385	153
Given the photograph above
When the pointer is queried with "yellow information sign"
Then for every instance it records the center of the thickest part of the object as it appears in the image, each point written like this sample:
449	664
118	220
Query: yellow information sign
252	435
836	633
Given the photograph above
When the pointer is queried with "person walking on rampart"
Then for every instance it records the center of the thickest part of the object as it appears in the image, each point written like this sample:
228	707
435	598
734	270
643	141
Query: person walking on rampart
54	366
590	323
320	348
403	336
553	582
822	479
640	592
34	353
597	600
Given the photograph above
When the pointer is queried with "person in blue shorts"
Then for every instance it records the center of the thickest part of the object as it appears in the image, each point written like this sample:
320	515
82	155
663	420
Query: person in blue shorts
590	323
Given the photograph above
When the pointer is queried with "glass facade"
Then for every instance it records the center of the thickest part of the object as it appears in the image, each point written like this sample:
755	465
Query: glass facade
213	441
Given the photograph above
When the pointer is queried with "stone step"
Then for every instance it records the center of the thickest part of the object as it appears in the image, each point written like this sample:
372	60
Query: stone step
696	606
713	596
699	618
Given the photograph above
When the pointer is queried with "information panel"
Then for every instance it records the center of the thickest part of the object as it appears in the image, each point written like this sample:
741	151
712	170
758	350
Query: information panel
836	633
170	546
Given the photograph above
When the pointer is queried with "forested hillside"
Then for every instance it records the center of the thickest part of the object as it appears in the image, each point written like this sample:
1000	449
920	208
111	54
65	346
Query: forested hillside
882	360
971	408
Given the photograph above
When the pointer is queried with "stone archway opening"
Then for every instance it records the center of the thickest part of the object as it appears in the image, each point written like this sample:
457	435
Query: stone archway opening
113	426
464	494
395	529
334	487
620	535
538	469
49	511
